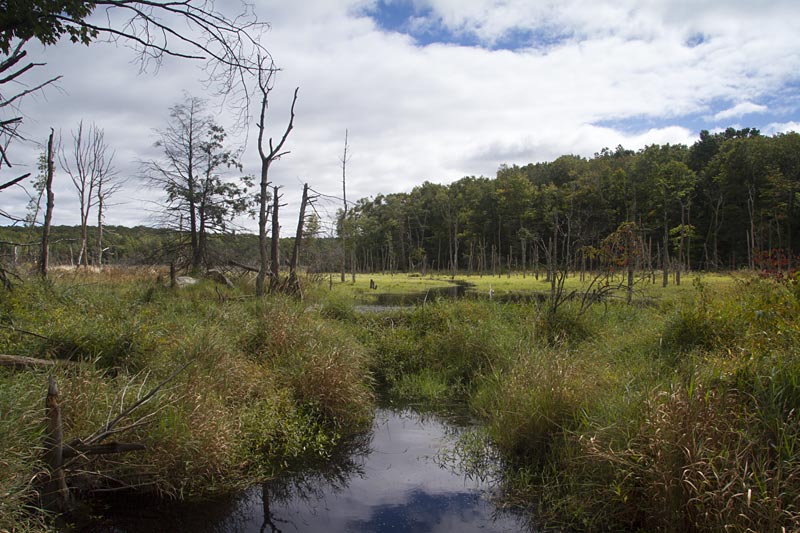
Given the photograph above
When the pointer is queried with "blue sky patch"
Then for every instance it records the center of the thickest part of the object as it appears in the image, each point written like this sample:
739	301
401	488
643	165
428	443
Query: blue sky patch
426	28
776	112
695	40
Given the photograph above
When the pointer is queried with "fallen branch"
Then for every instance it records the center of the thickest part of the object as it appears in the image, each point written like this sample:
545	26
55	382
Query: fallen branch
108	429
60	457
26	332
100	449
240	265
20	361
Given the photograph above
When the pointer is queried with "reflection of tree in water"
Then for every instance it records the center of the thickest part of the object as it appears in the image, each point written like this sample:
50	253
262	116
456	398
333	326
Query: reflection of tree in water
269	520
314	482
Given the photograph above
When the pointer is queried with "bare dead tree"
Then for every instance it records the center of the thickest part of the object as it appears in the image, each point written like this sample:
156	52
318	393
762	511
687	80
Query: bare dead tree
344	208
227	47
269	153
154	29
107	187
88	164
274	254
48	213
294	282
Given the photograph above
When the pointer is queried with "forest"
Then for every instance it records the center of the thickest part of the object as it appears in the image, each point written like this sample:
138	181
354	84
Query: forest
726	202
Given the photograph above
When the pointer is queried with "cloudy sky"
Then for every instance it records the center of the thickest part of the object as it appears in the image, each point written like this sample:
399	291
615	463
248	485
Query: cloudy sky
440	89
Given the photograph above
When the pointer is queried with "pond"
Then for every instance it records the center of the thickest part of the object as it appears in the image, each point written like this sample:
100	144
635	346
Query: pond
458	289
396	480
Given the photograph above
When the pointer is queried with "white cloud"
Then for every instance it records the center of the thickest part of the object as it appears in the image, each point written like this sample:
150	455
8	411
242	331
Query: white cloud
739	110
784	127
441	112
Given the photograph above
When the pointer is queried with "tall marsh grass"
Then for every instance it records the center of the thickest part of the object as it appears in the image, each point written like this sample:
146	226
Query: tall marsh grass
678	416
268	385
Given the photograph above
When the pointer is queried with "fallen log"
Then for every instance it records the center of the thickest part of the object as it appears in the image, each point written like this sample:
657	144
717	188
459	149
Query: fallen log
56	493
21	361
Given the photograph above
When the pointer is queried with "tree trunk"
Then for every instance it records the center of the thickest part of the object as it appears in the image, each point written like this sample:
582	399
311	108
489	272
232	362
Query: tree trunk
48	214
665	256
56	493
344	212
275	243
789	221
99	256
262	230
294	282
752	237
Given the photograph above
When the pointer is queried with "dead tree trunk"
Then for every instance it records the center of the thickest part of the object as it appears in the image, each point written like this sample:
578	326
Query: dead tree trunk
344	211
294	282
266	76
274	244
56	493
48	214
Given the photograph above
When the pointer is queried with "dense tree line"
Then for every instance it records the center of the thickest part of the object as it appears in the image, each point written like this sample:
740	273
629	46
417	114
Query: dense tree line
727	201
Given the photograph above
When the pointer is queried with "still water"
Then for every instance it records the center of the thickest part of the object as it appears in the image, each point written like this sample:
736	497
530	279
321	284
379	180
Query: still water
397	481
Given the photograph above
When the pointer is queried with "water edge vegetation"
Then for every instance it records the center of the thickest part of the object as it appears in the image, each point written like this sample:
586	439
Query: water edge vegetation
677	411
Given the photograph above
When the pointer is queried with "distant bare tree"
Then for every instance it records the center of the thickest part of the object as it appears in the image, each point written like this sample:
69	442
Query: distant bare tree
154	29
344	210
88	165
268	153
50	203
107	187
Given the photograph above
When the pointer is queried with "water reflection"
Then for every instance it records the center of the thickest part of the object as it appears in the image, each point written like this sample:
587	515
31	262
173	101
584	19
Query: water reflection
387	301
400	487
457	289
392	482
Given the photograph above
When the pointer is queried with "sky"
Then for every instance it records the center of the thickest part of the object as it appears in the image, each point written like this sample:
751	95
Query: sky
435	90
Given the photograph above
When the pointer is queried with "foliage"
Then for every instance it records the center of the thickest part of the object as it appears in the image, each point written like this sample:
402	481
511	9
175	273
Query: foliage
697	201
46	21
268	386
678	415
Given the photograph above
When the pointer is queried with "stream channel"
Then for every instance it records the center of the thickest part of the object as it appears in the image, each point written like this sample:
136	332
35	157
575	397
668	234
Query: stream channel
403	477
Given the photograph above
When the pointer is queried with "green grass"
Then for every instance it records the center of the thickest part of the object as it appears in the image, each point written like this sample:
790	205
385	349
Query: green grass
269	385
514	283
679	411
